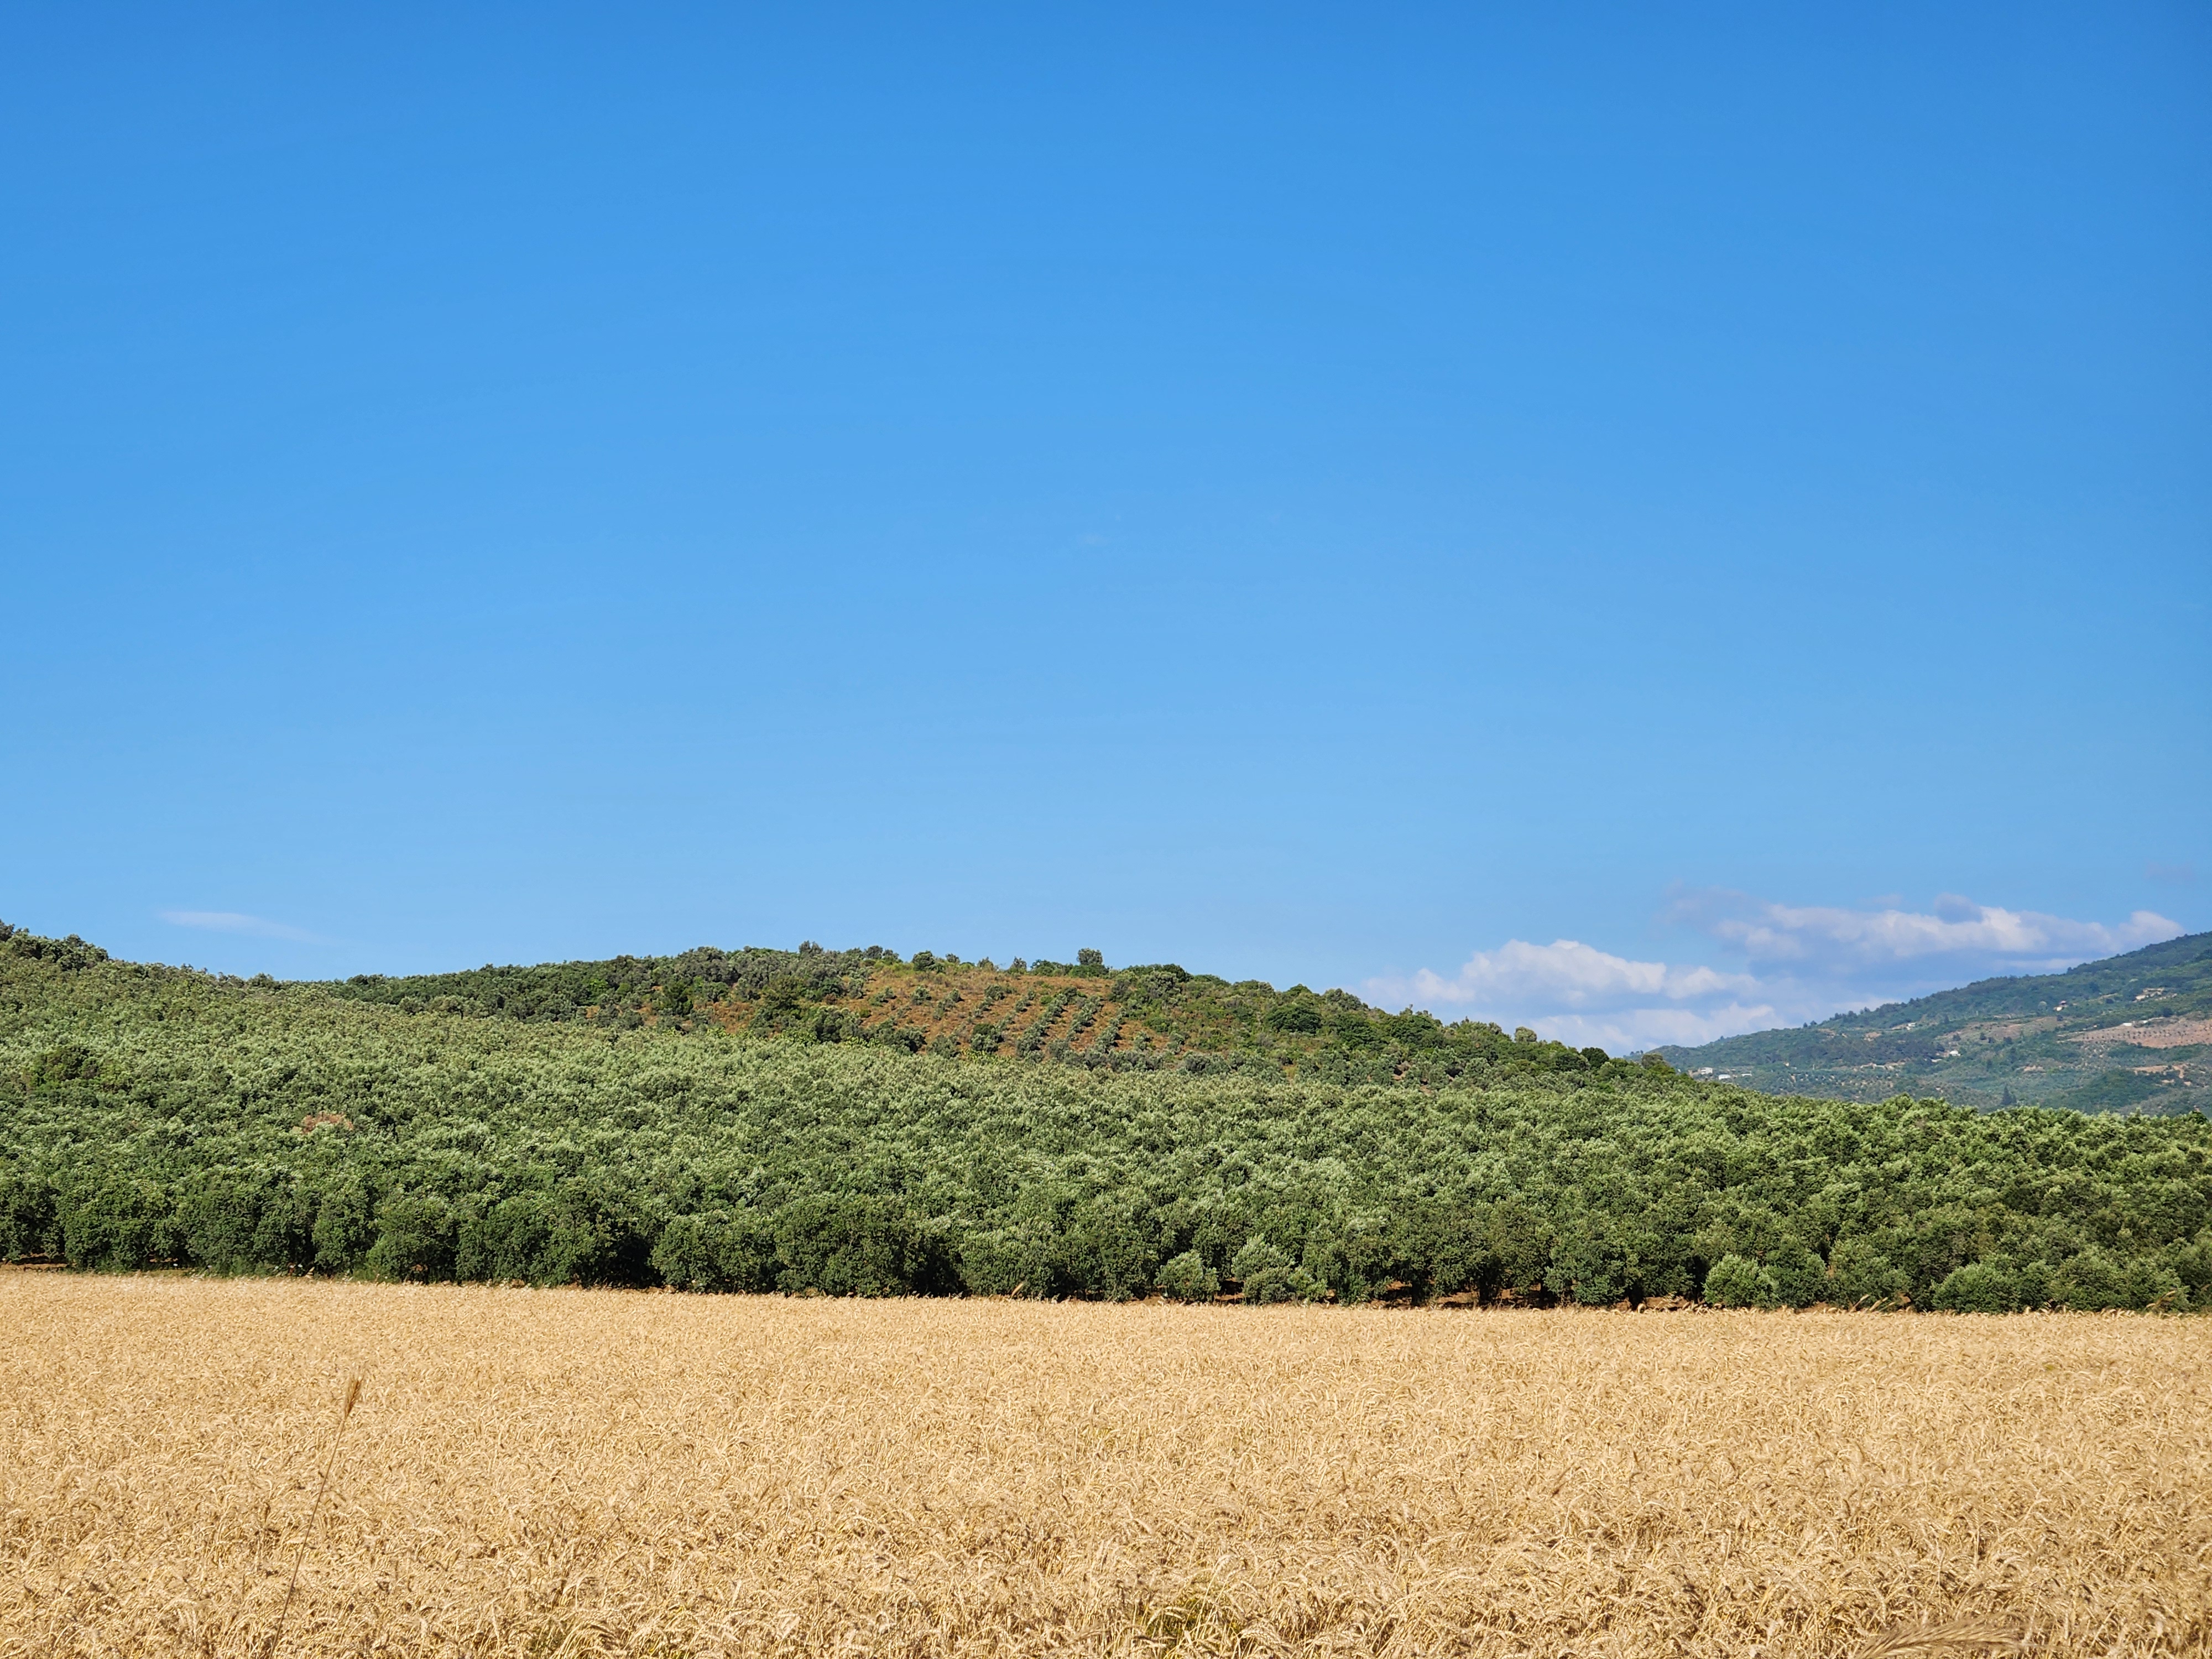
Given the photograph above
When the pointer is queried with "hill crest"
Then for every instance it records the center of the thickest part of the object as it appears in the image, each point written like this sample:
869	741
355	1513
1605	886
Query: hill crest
1149	1017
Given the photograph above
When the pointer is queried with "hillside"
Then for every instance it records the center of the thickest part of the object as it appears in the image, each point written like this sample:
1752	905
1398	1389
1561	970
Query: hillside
2131	1033
657	1133
1082	1013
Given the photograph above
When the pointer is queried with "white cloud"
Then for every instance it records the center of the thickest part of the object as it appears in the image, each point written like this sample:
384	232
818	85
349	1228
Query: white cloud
231	921
1582	995
2017	941
1570	973
1803	962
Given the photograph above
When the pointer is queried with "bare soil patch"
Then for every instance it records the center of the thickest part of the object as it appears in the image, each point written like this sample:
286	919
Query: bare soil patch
2151	1034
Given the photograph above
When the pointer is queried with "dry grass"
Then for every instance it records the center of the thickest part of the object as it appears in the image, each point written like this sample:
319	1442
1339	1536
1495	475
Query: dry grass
554	1472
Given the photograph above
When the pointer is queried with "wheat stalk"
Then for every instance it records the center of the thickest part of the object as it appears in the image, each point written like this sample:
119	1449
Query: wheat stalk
345	1412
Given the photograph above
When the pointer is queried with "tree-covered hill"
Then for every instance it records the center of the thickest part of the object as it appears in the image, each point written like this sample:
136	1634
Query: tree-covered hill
153	1117
1081	1013
2130	1033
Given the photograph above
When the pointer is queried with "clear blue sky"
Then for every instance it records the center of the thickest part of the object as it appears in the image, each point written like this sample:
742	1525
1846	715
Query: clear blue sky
1321	494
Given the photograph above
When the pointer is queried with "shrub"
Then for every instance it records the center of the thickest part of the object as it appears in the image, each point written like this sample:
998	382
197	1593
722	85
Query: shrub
1979	1287
119	1225
1585	1267
857	1246
1017	1261
414	1238
1800	1276
1440	1248
2091	1281
541	1238
29	1226
721	1250
1107	1250
1862	1274
1266	1275
220	1217
1737	1282
2191	1263
1518	1246
2148	1285
344	1227
1188	1278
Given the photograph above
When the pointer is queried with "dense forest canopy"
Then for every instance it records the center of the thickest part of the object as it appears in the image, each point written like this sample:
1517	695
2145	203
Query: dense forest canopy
2130	1033
846	1122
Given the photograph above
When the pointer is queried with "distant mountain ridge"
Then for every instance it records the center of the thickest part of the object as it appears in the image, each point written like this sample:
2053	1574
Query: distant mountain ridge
2130	1033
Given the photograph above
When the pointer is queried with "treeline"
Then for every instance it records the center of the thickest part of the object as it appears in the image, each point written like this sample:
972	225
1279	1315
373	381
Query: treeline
625	990
154	1117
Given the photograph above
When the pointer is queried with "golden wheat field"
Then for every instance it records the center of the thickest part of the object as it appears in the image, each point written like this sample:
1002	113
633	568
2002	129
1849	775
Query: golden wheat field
569	1472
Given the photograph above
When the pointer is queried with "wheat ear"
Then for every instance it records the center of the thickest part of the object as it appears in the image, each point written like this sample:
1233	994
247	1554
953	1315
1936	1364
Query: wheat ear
1961	1636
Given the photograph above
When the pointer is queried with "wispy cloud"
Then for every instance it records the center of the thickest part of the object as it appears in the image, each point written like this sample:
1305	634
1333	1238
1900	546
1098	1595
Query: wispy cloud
1572	974
2026	941
232	922
1799	962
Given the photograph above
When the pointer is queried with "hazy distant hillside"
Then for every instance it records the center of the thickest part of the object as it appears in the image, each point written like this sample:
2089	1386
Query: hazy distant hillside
2130	1033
